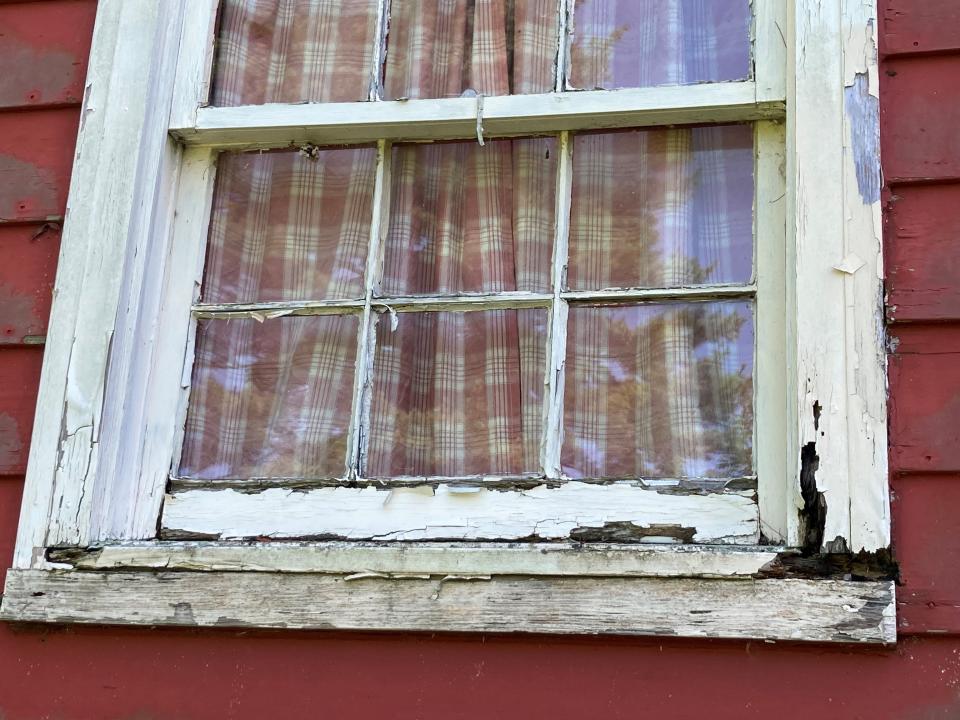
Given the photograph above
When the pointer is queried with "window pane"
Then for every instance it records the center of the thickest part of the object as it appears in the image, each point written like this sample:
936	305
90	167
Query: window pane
286	226
466	218
458	393
659	391
440	48
294	50
642	43
271	399
662	208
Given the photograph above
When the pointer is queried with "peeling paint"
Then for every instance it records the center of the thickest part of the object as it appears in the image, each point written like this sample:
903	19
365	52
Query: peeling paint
863	111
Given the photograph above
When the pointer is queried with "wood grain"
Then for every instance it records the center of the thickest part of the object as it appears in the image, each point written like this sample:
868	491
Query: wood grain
819	610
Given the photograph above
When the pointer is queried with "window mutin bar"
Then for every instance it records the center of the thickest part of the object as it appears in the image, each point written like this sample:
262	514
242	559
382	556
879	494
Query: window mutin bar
285	125
468	302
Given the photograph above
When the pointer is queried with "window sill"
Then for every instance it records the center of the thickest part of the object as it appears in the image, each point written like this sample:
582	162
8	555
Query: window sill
680	591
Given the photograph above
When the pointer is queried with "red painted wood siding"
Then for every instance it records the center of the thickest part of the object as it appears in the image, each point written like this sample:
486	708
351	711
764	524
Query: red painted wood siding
88	673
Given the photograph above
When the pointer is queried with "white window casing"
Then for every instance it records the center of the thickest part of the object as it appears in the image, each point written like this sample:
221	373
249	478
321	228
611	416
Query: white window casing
106	537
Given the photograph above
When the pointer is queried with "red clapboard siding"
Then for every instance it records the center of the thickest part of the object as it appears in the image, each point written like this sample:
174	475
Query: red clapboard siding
44	46
925	408
915	26
928	547
36	155
920	113
923	253
26	281
19	380
10	491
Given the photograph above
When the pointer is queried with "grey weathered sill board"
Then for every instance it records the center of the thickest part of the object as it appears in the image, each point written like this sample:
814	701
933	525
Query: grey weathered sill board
810	610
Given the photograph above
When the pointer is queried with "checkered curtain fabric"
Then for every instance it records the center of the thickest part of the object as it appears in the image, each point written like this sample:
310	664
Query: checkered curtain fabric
661	390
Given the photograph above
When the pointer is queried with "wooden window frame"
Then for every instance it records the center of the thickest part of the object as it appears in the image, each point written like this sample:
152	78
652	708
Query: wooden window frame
115	373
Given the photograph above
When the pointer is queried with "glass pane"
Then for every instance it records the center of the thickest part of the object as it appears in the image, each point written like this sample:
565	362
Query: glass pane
468	218
287	51
659	391
642	43
440	48
662	208
287	226
458	393
271	399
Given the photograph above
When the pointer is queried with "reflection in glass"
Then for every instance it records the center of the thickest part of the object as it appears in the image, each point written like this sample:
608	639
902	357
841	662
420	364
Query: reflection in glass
458	393
659	391
287	226
441	48
270	399
287	51
643	43
470	218
662	208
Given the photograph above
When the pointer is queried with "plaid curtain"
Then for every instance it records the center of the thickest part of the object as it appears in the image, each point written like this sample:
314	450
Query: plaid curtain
440	48
290	226
464	218
642	43
294	50
660	390
270	399
656	390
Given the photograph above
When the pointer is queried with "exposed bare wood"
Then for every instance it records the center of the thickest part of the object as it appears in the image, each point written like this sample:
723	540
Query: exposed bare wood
559	312
469	301
835	279
608	560
121	175
683	486
276	125
819	610
450	512
366	332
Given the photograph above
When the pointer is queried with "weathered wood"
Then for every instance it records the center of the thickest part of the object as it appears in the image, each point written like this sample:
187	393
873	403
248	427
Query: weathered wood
278	125
19	379
35	164
922	253
44	46
920	117
919	26
819	610
462	513
607	560
925	409
928	548
26	281
834	249
771	353
120	154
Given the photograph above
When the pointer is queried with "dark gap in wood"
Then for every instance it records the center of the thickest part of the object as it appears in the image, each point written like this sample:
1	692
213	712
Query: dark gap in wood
862	566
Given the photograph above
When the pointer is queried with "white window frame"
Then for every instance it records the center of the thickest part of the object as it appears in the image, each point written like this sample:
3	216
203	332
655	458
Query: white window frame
116	372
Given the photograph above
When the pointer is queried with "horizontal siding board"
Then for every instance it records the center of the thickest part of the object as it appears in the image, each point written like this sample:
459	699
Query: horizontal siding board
19	380
925	412
920	113
44	48
10	491
927	518
36	156
29	265
919	26
923	253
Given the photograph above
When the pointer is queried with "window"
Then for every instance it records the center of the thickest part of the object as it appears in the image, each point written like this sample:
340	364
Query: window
460	316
